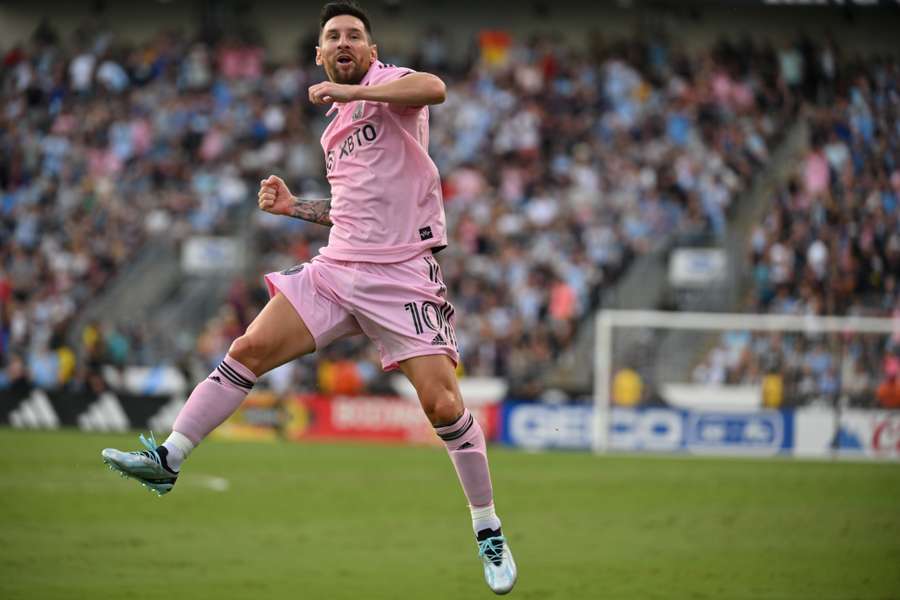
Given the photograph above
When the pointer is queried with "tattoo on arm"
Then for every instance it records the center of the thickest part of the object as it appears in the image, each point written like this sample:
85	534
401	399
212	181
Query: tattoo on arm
314	211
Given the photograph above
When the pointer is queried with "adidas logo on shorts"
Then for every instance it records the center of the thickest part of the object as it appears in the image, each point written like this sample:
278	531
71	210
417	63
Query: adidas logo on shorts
438	341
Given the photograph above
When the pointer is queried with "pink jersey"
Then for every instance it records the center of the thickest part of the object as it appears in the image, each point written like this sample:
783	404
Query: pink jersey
386	202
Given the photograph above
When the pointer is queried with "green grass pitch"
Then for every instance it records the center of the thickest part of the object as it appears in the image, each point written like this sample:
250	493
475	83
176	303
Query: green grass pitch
354	521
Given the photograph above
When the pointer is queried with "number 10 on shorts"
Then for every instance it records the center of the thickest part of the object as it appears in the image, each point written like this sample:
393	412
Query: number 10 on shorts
428	315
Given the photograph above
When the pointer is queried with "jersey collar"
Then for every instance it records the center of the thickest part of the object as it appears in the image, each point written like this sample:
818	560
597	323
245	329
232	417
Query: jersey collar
376	64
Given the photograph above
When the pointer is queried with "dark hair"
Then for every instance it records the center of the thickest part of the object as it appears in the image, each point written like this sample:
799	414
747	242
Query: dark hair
346	7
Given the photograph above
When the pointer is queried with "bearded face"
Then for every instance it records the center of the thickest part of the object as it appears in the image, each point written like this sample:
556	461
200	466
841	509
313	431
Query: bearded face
345	51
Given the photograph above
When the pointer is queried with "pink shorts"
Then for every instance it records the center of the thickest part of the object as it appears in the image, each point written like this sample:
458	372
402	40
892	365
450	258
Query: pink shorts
401	307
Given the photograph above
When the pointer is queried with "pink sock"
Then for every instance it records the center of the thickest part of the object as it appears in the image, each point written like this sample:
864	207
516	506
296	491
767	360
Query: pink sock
214	400
468	451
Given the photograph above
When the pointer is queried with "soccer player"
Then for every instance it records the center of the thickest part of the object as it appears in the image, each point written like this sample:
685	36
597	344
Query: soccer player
377	276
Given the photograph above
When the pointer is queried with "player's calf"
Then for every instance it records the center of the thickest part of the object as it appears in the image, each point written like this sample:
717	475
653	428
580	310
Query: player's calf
467	447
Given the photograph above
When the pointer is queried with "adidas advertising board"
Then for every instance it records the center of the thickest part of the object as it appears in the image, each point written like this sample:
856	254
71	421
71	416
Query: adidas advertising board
110	411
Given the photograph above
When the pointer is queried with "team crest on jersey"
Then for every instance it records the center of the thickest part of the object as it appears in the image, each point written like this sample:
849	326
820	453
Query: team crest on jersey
358	111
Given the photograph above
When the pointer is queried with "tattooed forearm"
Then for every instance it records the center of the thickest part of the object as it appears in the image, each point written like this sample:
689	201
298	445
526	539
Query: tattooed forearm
314	211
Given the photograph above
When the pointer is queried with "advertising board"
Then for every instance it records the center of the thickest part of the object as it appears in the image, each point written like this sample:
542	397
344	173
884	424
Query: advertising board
852	432
372	418
538	427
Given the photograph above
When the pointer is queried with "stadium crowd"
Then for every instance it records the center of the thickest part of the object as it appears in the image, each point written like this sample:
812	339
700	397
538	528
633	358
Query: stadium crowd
831	245
558	167
106	145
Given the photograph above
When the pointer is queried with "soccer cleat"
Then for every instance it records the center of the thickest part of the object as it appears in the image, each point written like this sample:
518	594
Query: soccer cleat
499	566
145	466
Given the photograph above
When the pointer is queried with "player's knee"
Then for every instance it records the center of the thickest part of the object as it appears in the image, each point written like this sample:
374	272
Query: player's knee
441	402
248	351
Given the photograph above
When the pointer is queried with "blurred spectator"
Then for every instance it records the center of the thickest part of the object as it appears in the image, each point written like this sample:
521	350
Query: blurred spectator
889	391
14	377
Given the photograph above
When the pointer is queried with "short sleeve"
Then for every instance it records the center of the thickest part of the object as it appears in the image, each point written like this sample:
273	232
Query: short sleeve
387	73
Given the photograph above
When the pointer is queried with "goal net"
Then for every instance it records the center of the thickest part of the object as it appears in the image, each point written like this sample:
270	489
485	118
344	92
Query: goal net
716	383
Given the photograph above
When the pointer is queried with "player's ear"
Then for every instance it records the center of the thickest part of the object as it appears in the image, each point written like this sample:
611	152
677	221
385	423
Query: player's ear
318	56
373	52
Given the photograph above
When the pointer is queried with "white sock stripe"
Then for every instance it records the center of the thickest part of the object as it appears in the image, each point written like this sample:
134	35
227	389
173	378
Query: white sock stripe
180	442
484	517
483	512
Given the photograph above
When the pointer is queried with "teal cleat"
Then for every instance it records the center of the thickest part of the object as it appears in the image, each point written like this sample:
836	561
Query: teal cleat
499	567
145	466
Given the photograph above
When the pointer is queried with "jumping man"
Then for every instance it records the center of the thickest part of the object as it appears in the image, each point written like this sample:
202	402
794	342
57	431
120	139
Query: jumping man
377	276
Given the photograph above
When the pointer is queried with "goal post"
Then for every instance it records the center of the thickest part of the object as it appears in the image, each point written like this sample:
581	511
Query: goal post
783	363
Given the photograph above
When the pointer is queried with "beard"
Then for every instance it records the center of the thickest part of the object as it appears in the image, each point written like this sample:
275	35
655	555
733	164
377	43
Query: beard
350	76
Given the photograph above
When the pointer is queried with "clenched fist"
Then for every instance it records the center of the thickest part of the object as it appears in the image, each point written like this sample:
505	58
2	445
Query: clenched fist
327	92
274	196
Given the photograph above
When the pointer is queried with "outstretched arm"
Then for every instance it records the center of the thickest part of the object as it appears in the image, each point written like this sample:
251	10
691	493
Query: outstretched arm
415	89
275	197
